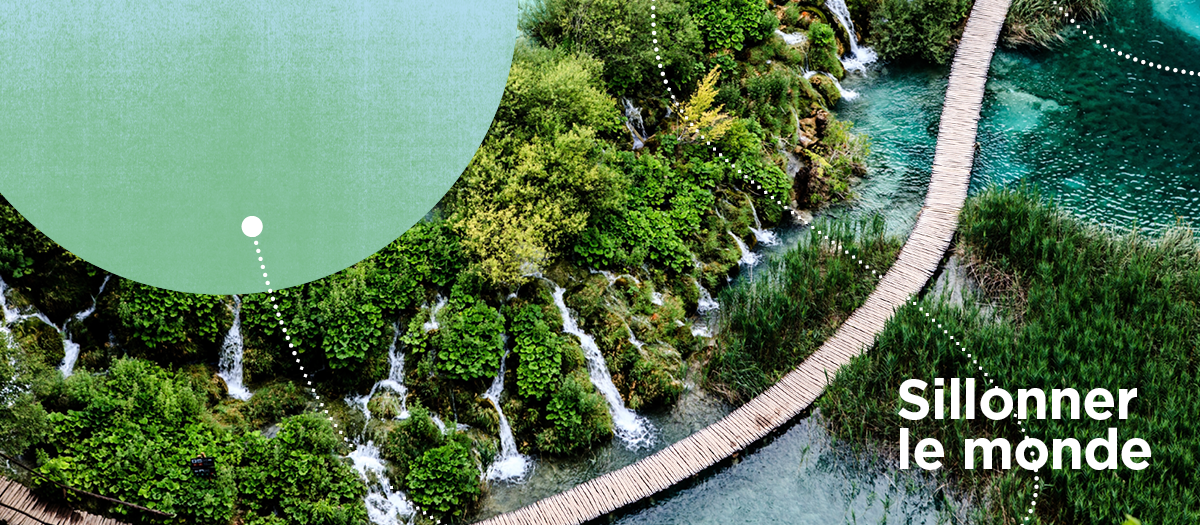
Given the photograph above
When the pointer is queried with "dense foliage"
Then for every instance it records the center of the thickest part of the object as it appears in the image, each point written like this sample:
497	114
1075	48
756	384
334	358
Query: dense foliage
921	29
1079	308
130	432
472	342
823	54
444	479
171	325
728	24
539	349
769	325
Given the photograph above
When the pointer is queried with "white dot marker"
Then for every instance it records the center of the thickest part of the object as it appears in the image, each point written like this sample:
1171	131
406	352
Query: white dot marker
252	226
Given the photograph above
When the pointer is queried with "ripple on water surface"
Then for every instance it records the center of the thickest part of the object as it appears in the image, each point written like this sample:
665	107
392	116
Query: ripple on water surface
1111	141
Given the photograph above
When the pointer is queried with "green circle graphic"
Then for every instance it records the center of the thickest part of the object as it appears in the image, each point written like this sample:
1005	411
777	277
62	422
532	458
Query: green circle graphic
140	135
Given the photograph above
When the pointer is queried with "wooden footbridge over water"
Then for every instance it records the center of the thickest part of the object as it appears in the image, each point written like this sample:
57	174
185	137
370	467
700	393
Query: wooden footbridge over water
918	260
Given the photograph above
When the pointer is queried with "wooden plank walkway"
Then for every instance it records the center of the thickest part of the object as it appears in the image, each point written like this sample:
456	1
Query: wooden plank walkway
917	262
18	506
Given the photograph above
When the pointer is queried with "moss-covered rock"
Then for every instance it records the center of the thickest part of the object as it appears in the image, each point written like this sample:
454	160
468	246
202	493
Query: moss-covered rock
828	90
40	341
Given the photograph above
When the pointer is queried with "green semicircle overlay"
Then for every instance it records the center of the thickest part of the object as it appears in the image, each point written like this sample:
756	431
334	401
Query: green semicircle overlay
140	135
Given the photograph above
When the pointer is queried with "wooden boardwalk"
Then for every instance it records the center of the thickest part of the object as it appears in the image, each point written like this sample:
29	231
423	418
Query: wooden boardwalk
18	506
918	260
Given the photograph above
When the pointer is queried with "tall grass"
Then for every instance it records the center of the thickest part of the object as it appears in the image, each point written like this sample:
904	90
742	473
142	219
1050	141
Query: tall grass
770	323
1085	308
1036	23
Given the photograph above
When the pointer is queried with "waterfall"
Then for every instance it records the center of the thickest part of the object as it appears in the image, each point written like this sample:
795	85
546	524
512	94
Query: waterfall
394	381
630	428
229	367
749	258
612	278
509	465
385	506
70	347
859	57
656	298
633	122
764	237
438	422
791	39
846	94
706	303
432	323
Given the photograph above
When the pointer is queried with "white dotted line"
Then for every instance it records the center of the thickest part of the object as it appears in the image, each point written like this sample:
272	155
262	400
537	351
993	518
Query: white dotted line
695	127
975	361
292	344
1124	54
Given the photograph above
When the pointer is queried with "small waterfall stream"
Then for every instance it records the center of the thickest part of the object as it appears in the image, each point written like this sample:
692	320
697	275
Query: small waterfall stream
749	258
631	429
394	380
633	122
70	347
510	464
385	506
764	237
791	39
432	323
859	57
706	303
846	94
229	367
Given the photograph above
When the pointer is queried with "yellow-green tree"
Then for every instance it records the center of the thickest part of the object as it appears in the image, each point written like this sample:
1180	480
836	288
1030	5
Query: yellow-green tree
698	117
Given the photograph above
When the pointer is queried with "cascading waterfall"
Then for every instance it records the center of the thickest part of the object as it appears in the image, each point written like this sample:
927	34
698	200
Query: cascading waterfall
859	57
630	428
748	258
385	506
633	122
70	347
432	323
706	303
394	381
229	367
510	464
846	94
764	237
612	278
791	39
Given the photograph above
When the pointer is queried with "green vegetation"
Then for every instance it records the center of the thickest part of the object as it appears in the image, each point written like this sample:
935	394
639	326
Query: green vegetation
129	433
1070	306
823	54
922	29
1038	22
555	193
771	324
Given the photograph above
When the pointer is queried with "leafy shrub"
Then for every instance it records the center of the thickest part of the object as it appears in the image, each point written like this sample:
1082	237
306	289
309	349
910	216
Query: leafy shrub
538	349
22	418
823	49
171	325
921	29
41	341
727	24
578	416
428	253
350	325
274	401
297	473
444	479
471	342
411	437
618	32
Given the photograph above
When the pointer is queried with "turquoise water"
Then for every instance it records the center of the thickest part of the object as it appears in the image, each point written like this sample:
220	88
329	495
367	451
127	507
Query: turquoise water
1111	141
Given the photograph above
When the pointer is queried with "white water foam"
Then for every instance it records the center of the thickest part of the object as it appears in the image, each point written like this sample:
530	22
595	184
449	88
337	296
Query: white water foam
631	429
764	237
385	506
859	57
432	323
229	367
748	258
510	464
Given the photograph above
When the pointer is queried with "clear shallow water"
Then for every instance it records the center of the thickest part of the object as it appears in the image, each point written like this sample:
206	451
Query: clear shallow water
802	477
1112	142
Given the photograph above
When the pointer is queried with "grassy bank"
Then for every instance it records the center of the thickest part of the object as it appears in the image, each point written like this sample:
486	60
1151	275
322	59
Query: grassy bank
1075	307
769	325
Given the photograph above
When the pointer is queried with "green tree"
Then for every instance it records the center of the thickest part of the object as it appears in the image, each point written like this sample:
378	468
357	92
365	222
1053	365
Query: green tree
350	324
918	29
578	416
169	325
618	32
